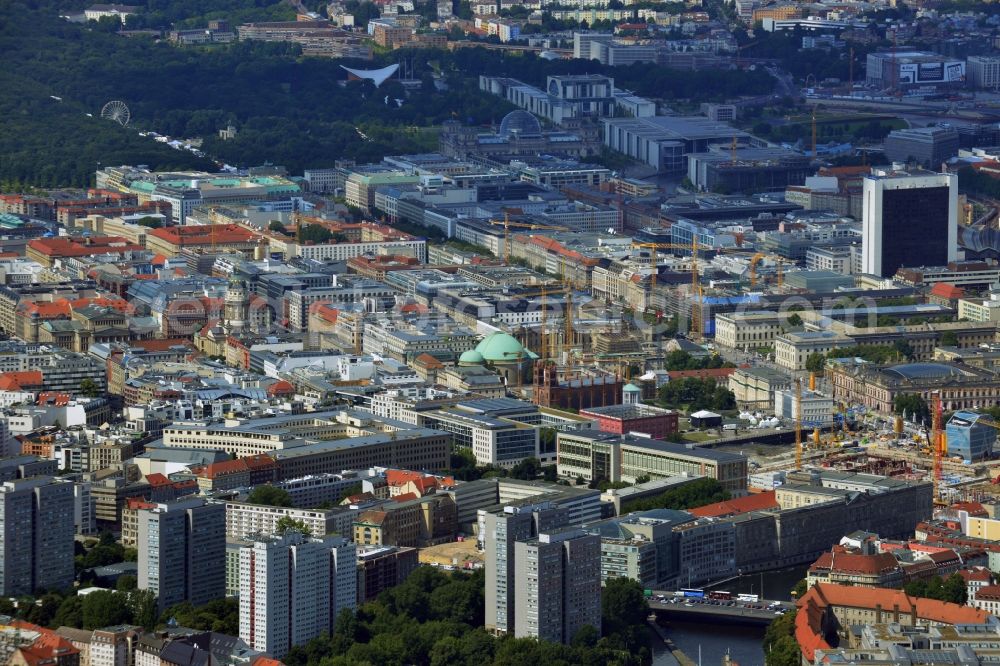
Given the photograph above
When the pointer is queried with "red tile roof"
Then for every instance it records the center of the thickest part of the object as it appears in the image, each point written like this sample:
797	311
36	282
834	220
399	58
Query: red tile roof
266	661
203	234
160	344
809	629
946	290
281	387
18	381
755	502
988	593
156	479
398	478
47	648
975	509
839	560
53	398
79	246
138	503
260	461
979	574
222	468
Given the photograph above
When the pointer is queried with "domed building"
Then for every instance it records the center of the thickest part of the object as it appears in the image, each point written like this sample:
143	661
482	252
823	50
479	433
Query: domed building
520	123
508	357
470	358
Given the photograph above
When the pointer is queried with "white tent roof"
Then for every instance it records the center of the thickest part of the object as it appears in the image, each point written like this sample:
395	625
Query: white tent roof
705	414
377	76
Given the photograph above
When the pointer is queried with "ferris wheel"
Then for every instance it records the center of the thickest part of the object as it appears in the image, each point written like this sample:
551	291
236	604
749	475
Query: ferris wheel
117	111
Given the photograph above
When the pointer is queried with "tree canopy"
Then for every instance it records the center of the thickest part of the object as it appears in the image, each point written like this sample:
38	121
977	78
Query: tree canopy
297	111
952	589
269	495
436	619
695	393
780	646
689	496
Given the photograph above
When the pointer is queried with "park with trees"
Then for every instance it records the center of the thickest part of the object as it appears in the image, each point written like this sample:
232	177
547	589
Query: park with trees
436	619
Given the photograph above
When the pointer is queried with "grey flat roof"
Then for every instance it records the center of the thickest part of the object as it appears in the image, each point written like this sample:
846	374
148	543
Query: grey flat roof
656	445
352	443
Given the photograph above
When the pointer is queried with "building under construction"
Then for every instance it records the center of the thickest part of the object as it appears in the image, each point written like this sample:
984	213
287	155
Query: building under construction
748	169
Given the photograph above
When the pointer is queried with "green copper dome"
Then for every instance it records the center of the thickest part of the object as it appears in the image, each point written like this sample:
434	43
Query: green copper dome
471	357
502	347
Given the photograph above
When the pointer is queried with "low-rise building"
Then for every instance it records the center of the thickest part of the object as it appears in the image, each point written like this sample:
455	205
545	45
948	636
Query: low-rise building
754	388
244	519
816	408
383	567
594	455
791	350
656	422
748	330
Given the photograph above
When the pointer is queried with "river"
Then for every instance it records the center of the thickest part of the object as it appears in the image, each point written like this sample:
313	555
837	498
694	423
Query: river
743	643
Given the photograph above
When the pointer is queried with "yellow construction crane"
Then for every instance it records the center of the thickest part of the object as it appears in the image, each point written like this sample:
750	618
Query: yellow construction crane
507	224
756	259
798	424
695	283
543	348
567	290
938	443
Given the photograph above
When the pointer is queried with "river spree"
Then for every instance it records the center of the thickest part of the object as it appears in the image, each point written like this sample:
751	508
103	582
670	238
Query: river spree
742	643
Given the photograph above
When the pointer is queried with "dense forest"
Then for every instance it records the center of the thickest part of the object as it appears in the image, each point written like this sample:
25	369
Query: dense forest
288	109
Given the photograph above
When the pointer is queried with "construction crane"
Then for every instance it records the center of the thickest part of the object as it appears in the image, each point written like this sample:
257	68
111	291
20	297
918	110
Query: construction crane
798	424
937	438
543	347
814	132
696	325
756	259
696	293
568	314
507	224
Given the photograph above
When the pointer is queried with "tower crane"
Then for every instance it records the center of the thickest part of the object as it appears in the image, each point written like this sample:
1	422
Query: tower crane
938	442
798	424
507	224
696	290
756	259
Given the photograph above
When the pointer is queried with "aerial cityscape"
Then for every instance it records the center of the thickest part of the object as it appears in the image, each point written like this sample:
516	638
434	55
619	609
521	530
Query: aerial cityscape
462	332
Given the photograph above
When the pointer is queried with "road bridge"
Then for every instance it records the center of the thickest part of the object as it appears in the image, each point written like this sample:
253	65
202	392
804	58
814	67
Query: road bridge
760	613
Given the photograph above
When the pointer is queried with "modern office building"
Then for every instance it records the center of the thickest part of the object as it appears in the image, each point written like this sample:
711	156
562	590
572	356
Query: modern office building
182	551
595	455
910	70
291	588
928	147
909	219
971	436
643	546
983	71
566	98
557	585
664	142
36	529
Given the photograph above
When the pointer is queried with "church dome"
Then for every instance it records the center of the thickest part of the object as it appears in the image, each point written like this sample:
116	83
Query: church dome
502	347
471	357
